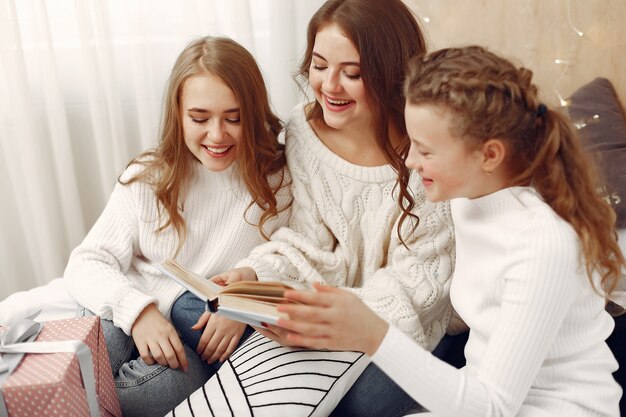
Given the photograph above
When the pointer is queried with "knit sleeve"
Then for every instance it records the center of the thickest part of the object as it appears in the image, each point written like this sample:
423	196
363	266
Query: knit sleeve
96	273
537	295
412	290
304	251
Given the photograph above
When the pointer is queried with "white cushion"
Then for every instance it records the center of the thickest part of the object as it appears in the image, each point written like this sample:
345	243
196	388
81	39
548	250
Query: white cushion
265	379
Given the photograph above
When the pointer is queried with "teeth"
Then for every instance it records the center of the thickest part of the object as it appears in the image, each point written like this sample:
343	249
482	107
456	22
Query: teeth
218	150
338	102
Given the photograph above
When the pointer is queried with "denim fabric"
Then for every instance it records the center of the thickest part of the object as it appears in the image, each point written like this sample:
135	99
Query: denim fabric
155	389
451	349
142	387
185	313
375	394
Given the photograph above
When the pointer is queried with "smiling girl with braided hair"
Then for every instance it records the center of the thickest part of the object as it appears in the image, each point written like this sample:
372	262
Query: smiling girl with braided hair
536	252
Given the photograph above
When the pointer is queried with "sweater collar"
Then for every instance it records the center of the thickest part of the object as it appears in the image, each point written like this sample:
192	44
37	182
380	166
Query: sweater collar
302	130
227	179
502	201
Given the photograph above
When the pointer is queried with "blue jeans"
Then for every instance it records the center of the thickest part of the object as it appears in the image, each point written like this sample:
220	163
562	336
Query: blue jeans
375	394
139	386
157	388
186	311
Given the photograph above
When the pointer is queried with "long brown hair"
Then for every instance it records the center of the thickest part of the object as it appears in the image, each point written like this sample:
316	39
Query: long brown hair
490	98
167	167
386	35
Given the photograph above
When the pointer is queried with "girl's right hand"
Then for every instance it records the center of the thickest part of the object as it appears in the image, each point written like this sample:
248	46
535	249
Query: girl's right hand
330	318
157	341
220	337
234	275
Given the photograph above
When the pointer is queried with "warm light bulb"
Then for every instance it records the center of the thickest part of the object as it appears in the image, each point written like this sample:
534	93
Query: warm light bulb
426	19
569	20
580	124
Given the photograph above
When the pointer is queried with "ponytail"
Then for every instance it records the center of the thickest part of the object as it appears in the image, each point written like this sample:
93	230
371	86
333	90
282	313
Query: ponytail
566	178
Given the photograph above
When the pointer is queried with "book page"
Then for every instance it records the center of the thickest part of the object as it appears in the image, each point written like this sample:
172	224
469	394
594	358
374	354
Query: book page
199	286
245	307
250	302
269	289
263	298
253	319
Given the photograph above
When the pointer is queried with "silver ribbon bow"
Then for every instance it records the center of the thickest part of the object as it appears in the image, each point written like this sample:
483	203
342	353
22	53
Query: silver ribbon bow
17	341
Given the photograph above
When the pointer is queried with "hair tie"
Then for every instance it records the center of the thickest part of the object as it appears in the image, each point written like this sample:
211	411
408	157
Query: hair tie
541	110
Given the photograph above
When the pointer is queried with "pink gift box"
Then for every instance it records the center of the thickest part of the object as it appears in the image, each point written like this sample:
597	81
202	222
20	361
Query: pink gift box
50	384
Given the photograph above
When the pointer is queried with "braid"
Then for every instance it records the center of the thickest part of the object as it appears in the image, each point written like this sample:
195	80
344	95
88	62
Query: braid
491	98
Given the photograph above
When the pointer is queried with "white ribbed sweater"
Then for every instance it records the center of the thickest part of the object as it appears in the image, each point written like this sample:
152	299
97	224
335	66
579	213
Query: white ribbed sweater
110	271
343	232
536	345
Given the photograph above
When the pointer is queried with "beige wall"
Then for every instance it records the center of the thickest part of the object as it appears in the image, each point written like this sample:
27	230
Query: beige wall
537	32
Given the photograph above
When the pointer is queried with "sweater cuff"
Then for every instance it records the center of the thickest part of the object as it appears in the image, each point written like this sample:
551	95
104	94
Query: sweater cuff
129	307
263	270
395	347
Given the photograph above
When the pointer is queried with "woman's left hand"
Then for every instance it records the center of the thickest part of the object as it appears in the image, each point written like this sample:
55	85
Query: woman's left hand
330	318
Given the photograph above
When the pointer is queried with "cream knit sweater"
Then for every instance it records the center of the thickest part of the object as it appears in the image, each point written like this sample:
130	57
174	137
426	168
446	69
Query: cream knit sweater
536	345
343	232
110	272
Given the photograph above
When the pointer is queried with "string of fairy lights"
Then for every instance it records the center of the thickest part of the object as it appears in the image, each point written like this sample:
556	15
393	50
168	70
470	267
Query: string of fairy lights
565	62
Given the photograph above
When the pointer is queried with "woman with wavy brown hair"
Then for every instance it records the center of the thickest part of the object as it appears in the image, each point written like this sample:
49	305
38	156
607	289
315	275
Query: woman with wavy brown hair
354	219
215	186
537	255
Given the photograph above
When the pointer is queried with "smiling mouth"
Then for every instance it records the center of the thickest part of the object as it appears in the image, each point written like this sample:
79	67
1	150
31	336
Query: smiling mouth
218	152
337	103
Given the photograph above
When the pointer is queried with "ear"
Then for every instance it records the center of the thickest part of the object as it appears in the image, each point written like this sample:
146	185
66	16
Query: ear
493	154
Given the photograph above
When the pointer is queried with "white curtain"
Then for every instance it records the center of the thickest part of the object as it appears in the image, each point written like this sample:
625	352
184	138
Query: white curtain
81	85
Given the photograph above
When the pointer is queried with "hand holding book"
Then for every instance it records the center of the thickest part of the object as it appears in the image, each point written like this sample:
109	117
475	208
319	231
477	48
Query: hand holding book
250	302
235	275
330	318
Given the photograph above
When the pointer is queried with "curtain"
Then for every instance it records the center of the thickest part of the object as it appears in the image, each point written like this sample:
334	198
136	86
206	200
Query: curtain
81	84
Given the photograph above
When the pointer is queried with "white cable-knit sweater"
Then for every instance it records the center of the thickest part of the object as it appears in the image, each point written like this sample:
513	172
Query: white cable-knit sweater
110	272
342	232
536	345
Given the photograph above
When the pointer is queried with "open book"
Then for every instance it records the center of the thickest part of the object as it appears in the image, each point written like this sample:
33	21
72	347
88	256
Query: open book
250	302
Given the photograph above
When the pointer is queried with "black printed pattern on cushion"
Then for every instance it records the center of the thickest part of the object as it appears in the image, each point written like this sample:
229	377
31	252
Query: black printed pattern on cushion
265	379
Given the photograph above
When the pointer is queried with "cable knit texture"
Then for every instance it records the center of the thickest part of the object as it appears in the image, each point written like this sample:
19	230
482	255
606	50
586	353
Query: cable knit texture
343	232
110	272
536	345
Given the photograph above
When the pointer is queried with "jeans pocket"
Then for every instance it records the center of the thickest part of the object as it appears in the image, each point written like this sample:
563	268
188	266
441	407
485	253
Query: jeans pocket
136	372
